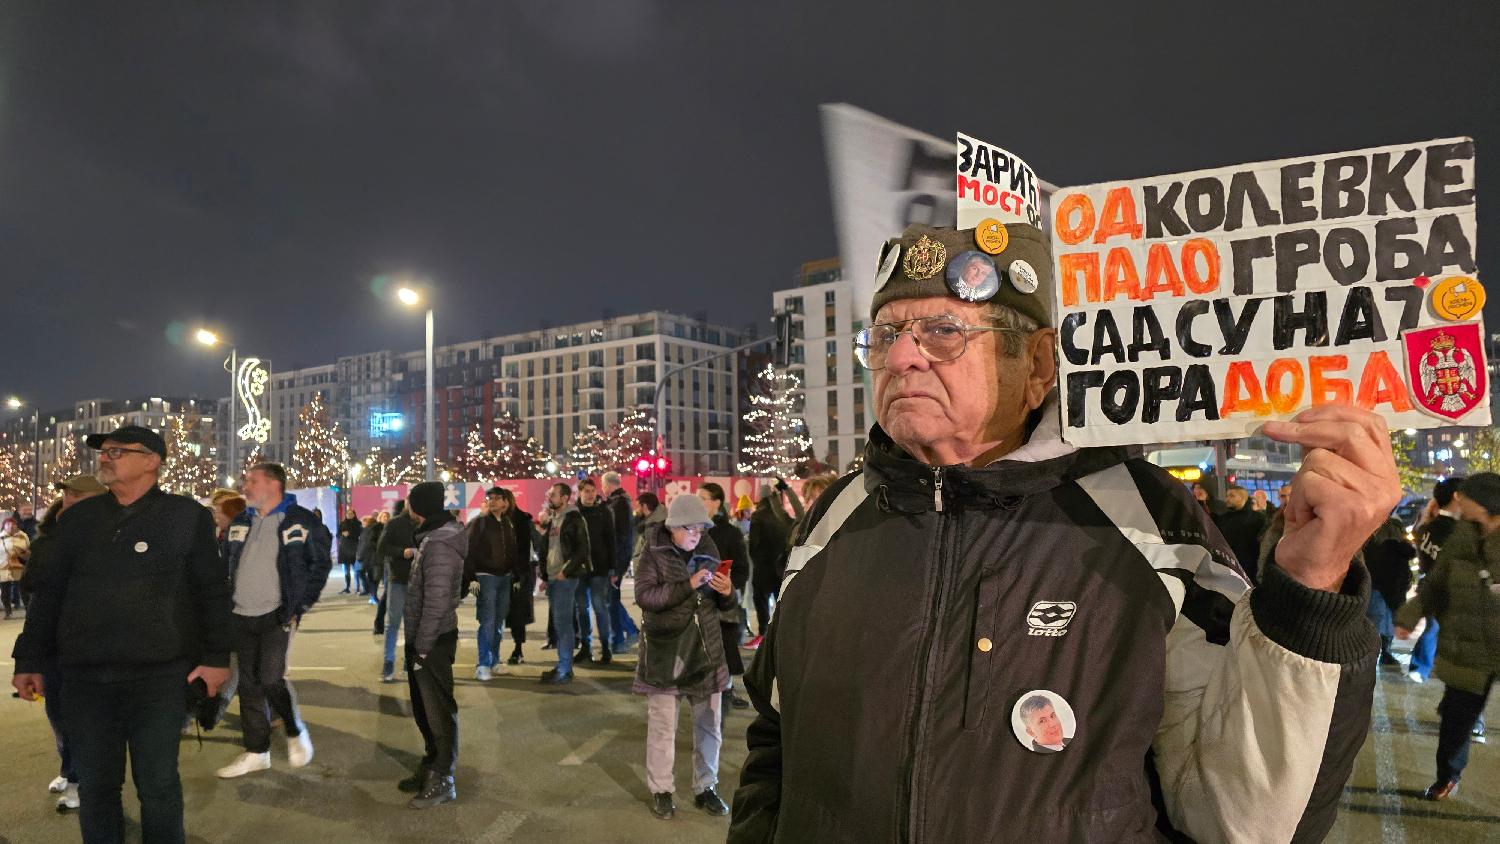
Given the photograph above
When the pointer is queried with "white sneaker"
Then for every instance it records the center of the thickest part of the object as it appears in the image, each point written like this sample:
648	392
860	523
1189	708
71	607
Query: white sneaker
69	798
482	673
58	786
1415	677
245	763
299	749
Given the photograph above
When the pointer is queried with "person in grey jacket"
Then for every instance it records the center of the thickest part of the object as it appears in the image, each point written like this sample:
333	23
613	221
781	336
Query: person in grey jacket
431	611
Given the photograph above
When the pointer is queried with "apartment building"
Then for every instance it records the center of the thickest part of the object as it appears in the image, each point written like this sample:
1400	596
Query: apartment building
824	322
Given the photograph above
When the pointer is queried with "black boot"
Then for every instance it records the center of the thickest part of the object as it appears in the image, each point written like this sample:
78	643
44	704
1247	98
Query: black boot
414	783
515	656
709	802
583	655
440	789
604	658
662	806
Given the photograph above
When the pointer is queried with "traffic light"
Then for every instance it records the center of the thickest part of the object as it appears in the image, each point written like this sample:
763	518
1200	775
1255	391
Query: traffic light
663	466
648	465
643	467
781	351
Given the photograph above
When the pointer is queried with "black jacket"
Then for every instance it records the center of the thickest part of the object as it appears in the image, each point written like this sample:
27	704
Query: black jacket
574	538
619	507
1241	529
349	531
519	524
602	537
400	534
368	538
302	560
1079	572
1430	538
770	530
731	544
129	588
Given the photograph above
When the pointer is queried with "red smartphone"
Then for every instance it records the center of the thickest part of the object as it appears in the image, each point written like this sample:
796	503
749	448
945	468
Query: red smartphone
724	566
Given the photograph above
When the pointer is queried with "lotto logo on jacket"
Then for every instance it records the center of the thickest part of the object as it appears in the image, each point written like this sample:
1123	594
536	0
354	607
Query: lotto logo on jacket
1050	618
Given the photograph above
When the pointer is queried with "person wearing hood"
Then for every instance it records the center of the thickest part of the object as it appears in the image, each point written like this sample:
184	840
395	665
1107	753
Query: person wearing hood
1012	566
277	568
564	552
432	595
681	596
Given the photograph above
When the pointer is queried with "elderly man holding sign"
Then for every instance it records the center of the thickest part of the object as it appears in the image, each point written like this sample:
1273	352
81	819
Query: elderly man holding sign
996	564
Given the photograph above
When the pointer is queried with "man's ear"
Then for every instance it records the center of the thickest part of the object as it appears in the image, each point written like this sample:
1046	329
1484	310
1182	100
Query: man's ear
1042	353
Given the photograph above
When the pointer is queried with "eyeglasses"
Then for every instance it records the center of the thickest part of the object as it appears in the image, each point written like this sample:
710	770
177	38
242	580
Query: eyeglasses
114	452
938	338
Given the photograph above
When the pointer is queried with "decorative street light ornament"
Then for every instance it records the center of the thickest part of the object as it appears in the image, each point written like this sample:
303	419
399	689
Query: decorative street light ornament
250	383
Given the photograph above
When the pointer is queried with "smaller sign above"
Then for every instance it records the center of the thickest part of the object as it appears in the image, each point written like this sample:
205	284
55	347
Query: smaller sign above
994	185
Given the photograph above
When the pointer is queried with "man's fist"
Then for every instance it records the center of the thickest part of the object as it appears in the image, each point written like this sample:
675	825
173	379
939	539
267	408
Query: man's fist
28	685
1344	491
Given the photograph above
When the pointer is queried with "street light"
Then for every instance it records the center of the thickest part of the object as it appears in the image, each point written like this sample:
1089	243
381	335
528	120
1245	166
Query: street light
210	339
15	403
409	297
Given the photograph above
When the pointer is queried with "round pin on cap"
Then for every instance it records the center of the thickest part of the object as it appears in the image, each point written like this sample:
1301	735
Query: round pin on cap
991	236
972	277
1022	276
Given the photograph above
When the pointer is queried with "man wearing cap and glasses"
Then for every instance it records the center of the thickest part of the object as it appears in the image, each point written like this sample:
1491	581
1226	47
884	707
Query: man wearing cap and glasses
1012	566
142	609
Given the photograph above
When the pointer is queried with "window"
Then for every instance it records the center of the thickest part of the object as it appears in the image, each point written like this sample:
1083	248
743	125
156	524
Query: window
531	369
596	335
833	412
830	324
859	414
546	366
620	356
794	304
645	351
830	297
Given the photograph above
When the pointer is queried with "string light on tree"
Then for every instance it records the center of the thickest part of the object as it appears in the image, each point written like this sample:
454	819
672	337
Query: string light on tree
778	437
321	452
67	463
189	469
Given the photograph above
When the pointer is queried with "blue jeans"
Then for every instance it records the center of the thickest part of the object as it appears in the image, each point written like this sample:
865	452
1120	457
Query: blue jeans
395	608
595	591
621	624
491	609
1425	650
560	597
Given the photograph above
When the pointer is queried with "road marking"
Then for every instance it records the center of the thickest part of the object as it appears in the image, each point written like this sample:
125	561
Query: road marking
1385	771
588	748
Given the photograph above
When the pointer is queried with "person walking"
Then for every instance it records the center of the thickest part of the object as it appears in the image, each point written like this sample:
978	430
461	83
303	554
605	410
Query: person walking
594	585
15	550
133	605
1430	536
622	627
499	555
278	566
564	553
431	608
1388	557
1461	592
397	548
377	569
349	531
731	545
770	535
681	596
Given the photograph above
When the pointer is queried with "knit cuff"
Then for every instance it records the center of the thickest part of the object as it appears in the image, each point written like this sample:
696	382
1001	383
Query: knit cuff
1325	626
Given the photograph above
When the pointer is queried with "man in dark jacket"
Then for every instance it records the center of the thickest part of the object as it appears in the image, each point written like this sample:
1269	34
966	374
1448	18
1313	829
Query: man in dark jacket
398	545
1009	564
564	551
1430	536
433	593
133	598
594	586
622	627
1241	525
349	531
770	527
277	567
731	546
499	556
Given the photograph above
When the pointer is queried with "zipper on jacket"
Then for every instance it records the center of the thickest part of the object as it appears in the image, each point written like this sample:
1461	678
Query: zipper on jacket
925	650
937	488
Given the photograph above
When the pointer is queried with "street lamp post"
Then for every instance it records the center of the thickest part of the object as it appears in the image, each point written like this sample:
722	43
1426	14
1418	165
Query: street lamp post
410	297
36	447
208	338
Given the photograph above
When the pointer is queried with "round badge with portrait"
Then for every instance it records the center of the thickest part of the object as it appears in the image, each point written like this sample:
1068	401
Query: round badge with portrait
972	277
1043	722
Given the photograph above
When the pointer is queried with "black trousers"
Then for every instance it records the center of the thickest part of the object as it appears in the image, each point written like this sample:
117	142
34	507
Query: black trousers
107	713
1458	712
762	600
261	644
380	611
430	681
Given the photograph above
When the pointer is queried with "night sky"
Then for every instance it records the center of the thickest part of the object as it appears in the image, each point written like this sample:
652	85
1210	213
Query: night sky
257	165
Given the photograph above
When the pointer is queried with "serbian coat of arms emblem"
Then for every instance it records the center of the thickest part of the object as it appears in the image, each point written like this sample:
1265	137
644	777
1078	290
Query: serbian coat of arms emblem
1445	367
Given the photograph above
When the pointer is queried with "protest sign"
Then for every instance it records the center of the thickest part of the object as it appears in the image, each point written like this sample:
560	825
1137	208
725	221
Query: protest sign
1199	305
995	185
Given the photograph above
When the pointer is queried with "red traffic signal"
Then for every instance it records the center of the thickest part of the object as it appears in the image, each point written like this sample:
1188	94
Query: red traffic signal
663	465
643	467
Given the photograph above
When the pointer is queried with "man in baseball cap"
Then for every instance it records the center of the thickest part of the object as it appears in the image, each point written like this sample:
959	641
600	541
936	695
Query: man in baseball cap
130	435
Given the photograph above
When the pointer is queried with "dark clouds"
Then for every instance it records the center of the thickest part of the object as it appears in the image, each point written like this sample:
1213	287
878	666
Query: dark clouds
255	165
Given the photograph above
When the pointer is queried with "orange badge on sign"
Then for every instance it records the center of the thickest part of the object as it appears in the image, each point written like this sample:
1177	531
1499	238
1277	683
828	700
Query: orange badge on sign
991	236
1457	298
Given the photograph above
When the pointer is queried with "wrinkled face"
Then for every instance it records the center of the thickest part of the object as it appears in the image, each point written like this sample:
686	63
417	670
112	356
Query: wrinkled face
1236	498
133	464
1044	726
498	505
687	538
922	404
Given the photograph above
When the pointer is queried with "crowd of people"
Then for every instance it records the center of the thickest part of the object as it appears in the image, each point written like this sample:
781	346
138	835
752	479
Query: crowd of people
229	581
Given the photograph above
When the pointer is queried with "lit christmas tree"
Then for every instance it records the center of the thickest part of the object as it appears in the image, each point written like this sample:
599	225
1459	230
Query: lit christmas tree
391	470
15	475
778	437
321	454
189	469
627	440
588	452
66	465
514	454
253	459
478	460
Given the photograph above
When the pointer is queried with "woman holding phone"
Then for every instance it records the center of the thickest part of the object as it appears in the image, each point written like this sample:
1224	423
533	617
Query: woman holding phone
681	594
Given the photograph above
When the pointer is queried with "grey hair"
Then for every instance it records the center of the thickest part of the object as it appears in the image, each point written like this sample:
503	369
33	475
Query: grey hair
1020	326
1035	703
612	478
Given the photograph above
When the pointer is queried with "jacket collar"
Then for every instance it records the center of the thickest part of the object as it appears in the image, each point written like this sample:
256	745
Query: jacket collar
287	500
905	484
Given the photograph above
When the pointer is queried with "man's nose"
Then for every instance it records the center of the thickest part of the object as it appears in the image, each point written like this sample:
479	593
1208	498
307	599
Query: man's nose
905	355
